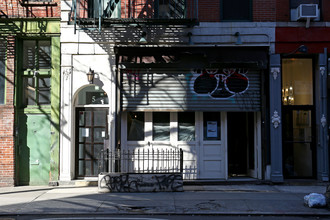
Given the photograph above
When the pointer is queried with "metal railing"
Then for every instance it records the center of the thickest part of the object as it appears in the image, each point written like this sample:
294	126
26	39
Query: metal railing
141	161
121	10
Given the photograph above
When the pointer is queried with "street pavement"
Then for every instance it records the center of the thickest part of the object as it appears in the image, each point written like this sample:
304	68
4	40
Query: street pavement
242	199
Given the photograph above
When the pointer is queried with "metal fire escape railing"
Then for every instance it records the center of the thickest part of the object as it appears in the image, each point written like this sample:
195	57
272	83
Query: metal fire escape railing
97	12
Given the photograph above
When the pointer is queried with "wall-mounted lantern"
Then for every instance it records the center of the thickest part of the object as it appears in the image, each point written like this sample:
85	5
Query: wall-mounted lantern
90	76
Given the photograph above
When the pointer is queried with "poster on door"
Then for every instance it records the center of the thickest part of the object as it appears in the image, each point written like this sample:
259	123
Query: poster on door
212	129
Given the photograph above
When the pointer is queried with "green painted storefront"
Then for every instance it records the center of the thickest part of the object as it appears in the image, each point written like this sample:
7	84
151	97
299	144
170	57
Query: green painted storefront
37	101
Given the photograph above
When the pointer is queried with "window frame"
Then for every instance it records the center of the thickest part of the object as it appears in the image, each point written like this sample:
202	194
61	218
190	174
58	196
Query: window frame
222	9
36	73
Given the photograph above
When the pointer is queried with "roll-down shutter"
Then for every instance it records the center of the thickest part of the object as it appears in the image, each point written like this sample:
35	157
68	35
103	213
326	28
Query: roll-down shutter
227	89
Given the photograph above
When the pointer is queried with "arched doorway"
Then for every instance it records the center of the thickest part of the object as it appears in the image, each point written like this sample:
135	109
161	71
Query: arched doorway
91	130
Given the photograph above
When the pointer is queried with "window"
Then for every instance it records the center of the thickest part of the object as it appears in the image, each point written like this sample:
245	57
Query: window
92	95
297	81
186	123
295	3
135	126
37	75
161	126
236	10
2	71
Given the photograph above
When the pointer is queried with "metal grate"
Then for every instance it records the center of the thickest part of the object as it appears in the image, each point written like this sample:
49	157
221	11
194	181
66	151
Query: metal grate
141	161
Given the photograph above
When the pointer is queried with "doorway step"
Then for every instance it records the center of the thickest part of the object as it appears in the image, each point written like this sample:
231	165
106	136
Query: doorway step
79	183
230	181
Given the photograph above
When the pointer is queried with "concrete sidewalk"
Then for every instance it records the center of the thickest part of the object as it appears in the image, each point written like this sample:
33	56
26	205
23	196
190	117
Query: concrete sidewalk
207	199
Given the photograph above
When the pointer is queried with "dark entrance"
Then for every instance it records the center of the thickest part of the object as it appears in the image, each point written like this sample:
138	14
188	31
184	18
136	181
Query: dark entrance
298	142
91	132
241	154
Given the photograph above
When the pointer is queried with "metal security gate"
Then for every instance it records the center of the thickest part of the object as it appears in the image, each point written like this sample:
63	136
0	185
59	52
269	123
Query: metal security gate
234	89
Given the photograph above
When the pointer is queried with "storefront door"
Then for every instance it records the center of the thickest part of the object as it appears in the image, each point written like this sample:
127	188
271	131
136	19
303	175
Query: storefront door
298	144
298	110
212	150
243	132
34	148
91	133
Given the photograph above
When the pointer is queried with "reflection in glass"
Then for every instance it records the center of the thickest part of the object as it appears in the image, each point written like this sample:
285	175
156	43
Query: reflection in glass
297	81
44	55
161	126
186	123
135	126
29	50
297	145
44	90
30	91
99	134
99	117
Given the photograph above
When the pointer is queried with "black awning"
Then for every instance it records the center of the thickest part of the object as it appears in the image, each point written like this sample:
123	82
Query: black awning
192	57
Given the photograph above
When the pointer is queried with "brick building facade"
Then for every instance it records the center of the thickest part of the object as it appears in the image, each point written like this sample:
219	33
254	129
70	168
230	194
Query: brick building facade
248	50
21	21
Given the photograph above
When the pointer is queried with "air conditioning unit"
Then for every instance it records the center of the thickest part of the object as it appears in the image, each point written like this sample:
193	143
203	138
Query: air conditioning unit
307	11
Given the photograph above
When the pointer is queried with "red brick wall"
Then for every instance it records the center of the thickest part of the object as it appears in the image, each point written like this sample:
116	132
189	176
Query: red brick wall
14	8
326	10
209	10
282	10
264	10
7	152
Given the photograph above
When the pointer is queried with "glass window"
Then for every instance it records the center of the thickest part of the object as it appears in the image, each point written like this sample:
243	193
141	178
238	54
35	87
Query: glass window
161	126
37	90
186	123
236	10
135	126
211	125
2	70
92	95
297	81
36	54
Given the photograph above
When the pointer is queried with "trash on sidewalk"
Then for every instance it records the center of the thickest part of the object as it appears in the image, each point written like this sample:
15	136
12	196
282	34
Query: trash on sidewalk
315	200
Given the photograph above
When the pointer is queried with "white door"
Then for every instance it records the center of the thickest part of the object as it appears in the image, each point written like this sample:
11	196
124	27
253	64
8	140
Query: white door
212	145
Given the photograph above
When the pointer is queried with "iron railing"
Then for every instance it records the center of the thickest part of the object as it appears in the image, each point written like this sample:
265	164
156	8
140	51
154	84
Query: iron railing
130	11
141	161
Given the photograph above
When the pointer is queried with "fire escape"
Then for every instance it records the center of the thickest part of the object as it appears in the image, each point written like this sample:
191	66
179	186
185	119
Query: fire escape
95	14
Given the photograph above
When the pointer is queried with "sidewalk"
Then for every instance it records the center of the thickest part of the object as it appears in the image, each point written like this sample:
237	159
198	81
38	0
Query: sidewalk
206	199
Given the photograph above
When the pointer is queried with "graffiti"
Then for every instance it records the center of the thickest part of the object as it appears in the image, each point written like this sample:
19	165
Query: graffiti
121	183
143	182
173	182
224	85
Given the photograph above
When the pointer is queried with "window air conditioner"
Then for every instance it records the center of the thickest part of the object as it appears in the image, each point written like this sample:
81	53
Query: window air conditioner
307	11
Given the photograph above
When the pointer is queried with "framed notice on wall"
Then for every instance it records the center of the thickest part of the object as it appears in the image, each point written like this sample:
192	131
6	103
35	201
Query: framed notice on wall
212	129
